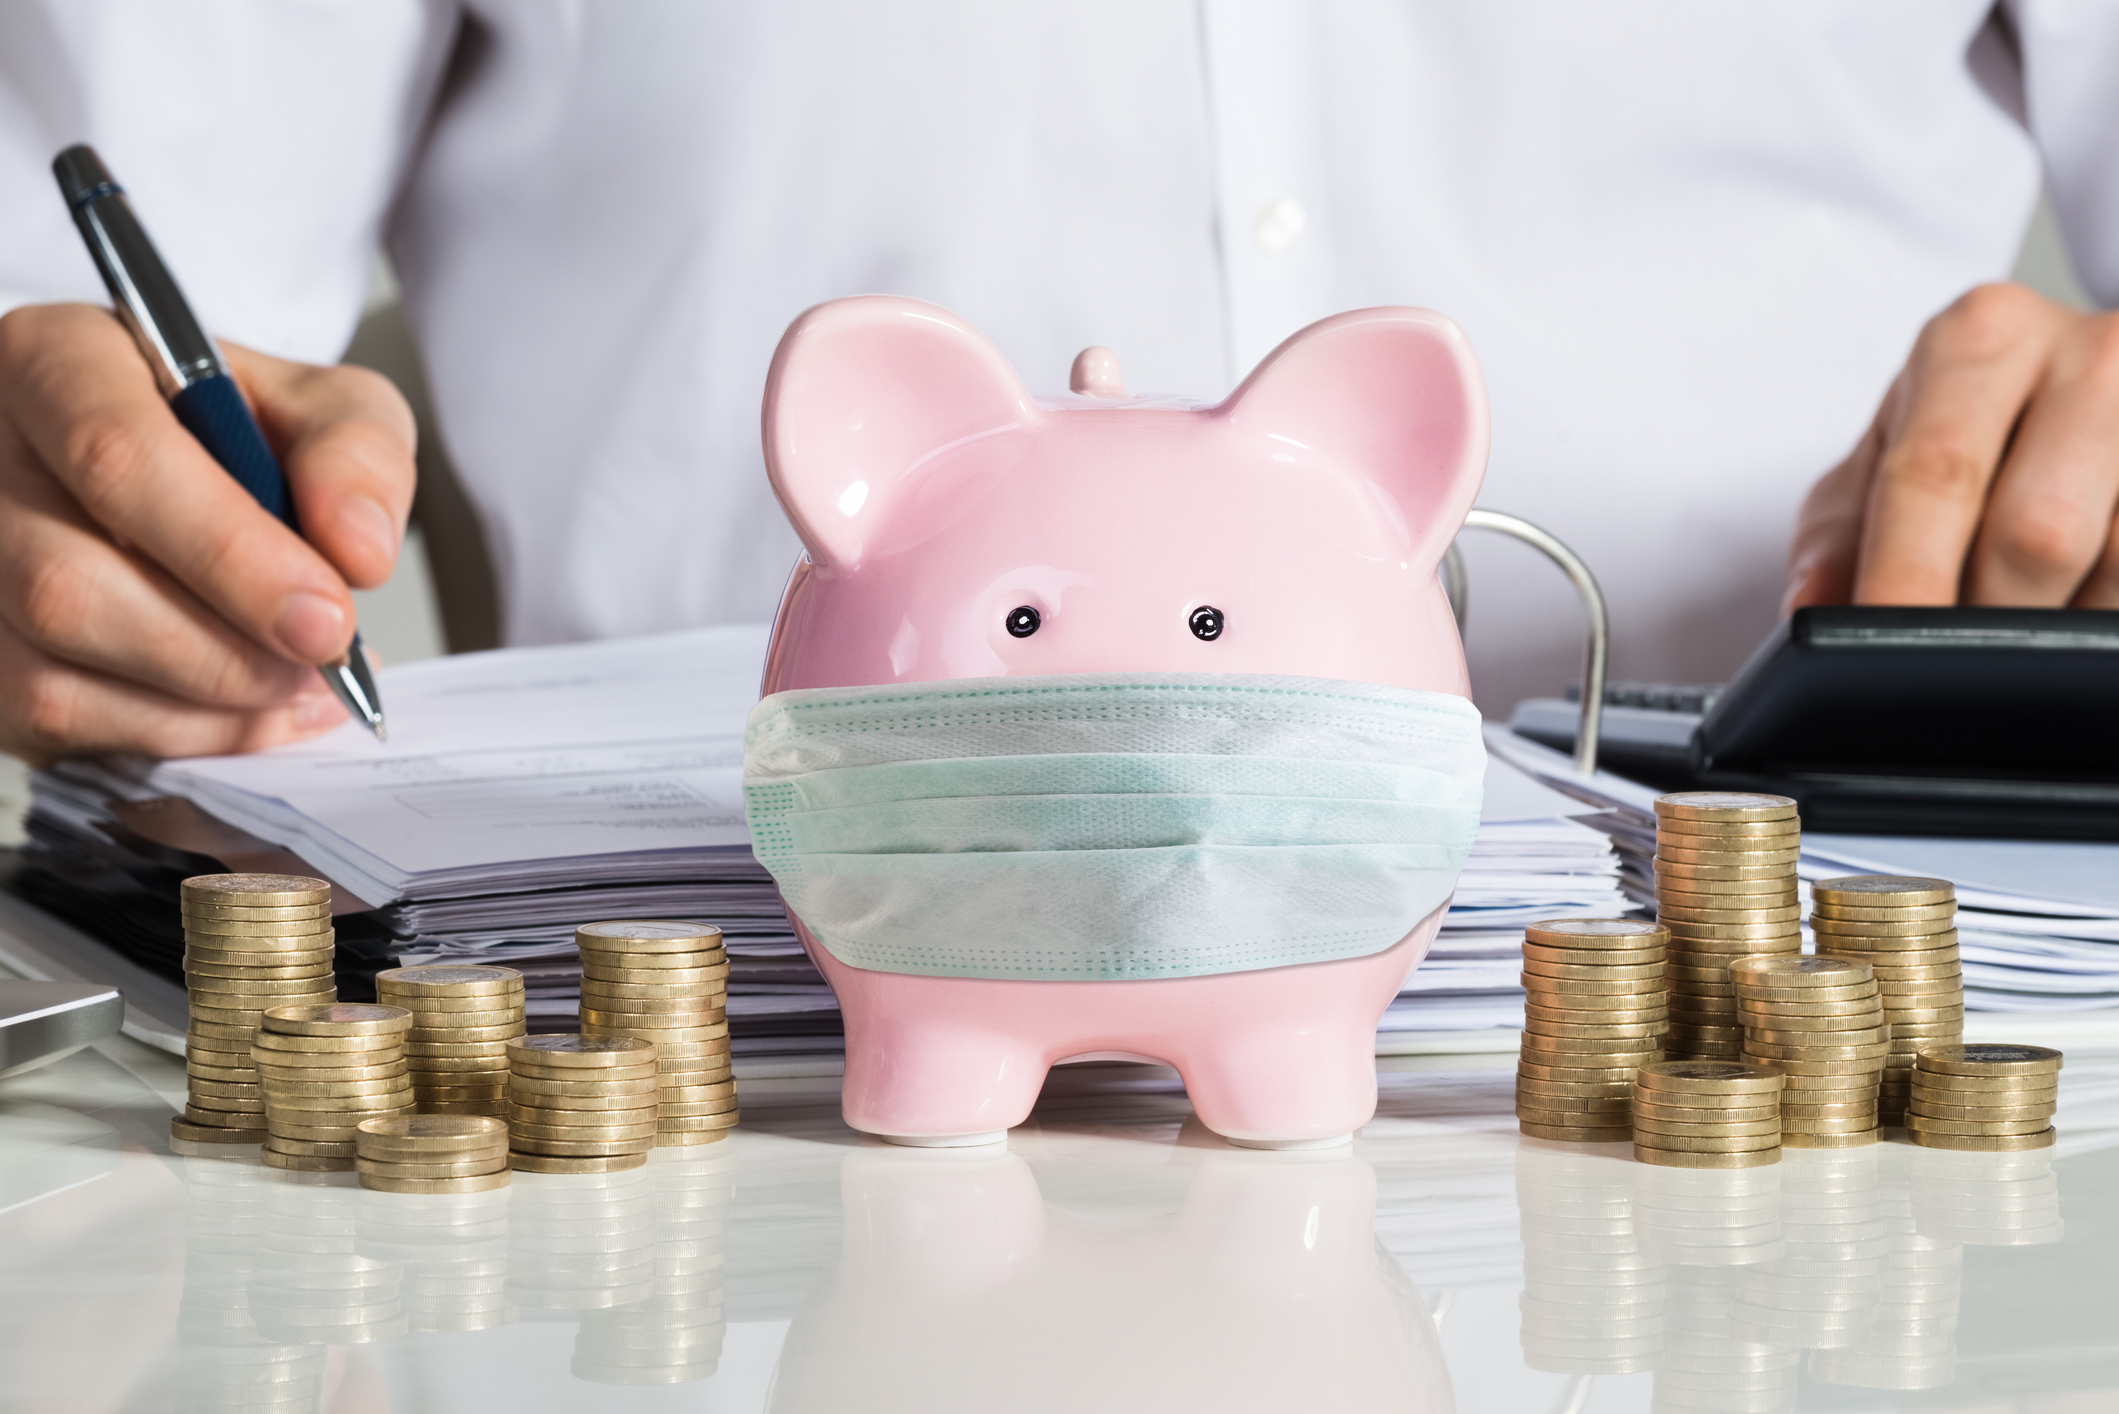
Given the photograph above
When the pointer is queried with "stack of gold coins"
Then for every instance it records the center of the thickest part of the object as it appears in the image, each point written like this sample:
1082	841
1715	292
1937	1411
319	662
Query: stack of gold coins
416	1153
1819	1022
462	1021
581	1104
1906	929
1706	1115
325	1069
1595	1012
1725	888
666	983
251	941
1991	1096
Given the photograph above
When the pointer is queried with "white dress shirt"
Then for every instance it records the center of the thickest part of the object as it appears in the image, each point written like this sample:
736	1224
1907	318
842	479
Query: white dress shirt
1690	243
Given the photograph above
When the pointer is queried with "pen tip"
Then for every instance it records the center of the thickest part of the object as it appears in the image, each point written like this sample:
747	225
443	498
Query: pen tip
382	733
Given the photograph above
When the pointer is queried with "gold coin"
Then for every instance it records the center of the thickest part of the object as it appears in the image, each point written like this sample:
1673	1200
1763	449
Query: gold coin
1685	850
665	968
1988	1059
1767	830
1889	951
1574	1075
273	1038
1723	806
567	1138
1671	1158
338	1089
181	1128
595	1019
1983	1143
211	1031
278	971
482	1183
1644	1031
674	1035
239	913
350	1020
1687	936
445	1011
667	1138
1882	932
1766	1016
407	1131
1857	1139
1867	1070
582	1052
713	1090
1708	1077
1576	1134
646	935
217	932
1787	972
1981	1084
199	959
1709	1143
713	1075
573	1074
673	1057
1599	1011
1684	876
695	1109
633	1109
1553	1050
1654	1128
304	1163
445	979
464	1035
1880	890
1826	1011
1882	912
636	1082
324	1071
1934	1125
555	1163
1834	1040
1672	902
1645	1110
496	1162
565	1149
1811	1114
699	993
1993	1114
1693	1101
223	1089
1594	933
256	890
1579	987
253	990
1594	972
1559	1092
1596	957
312	1147
1671	913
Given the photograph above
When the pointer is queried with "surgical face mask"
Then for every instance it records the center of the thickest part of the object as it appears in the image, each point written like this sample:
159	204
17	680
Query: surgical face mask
1116	826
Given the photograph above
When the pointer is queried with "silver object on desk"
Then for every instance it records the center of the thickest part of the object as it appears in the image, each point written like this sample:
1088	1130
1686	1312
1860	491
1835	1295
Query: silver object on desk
1596	654
43	1021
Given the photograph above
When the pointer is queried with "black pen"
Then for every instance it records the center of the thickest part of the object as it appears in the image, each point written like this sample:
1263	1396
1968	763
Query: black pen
188	367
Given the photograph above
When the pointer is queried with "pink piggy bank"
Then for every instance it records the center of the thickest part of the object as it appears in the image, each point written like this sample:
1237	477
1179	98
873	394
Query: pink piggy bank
1293	528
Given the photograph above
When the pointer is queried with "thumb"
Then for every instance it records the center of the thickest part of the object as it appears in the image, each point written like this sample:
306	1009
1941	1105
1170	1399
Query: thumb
345	437
1827	546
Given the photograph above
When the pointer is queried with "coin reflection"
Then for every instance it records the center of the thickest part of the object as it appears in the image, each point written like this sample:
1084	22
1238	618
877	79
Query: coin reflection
452	1249
580	1241
311	1284
959	1287
1593	1301
223	1363
674	1334
1987	1199
1817	1293
1909	1340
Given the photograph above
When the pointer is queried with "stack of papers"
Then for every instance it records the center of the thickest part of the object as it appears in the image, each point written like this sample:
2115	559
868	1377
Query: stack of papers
2037	920
524	792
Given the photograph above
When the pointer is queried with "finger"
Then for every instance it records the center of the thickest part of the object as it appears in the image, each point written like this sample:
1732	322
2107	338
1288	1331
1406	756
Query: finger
2101	589
2051	510
346	438
1827	540
86	405
50	710
1970	374
73	595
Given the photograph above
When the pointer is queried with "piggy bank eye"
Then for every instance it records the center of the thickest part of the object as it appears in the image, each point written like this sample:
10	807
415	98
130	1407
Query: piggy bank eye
1206	623
1023	621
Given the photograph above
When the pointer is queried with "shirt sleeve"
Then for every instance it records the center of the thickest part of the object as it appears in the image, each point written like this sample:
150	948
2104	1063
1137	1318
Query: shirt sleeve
261	144
2071	102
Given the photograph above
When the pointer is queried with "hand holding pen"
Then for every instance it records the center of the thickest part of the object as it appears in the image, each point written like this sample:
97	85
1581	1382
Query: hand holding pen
148	601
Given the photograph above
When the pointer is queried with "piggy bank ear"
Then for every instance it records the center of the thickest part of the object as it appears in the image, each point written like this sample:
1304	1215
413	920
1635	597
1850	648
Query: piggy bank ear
1393	395
860	393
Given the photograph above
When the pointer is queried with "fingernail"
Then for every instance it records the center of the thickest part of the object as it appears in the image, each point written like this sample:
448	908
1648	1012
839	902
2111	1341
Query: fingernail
366	521
311	626
312	713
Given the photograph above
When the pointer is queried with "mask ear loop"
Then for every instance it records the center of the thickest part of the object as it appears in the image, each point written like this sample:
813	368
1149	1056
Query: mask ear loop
1596	653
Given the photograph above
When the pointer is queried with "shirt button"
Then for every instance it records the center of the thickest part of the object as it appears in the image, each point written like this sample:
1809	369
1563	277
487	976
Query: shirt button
1278	226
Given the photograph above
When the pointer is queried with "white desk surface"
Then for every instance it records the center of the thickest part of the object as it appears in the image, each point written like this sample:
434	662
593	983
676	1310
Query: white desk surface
1114	1256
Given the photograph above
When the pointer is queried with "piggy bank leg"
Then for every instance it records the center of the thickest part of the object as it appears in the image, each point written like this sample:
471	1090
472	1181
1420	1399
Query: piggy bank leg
929	1064
1284	1091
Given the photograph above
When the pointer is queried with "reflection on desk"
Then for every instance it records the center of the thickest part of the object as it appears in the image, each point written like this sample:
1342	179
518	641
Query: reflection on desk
1114	1257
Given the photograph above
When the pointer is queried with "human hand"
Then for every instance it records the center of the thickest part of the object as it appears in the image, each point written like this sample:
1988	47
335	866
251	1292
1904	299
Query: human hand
1990	474
147	603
